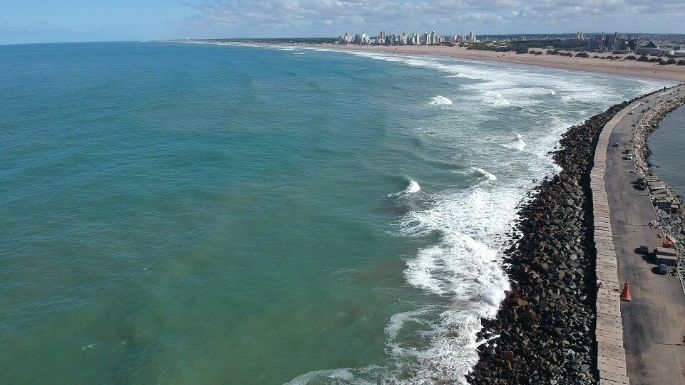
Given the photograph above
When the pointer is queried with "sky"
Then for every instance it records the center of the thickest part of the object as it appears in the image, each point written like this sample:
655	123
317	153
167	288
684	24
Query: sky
32	21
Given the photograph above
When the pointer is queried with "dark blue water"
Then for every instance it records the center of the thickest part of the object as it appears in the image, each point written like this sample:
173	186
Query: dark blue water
196	214
666	144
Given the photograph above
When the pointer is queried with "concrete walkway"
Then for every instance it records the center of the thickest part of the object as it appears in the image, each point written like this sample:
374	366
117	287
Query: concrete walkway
653	324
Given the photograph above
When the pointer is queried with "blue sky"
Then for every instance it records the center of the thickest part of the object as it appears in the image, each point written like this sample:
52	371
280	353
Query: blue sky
23	21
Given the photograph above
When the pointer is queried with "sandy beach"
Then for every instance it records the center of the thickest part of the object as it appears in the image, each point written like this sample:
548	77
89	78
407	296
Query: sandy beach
629	68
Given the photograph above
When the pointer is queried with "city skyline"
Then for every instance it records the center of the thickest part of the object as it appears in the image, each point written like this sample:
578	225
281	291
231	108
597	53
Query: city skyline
32	21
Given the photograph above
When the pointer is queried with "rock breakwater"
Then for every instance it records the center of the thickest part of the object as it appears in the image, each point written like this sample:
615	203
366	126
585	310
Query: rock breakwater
544	332
671	222
648	124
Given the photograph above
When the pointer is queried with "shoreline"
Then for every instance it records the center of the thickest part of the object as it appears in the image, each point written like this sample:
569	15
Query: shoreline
546	324
550	329
544	331
631	69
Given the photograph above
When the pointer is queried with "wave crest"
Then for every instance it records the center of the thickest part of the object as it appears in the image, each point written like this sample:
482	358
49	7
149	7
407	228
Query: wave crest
440	101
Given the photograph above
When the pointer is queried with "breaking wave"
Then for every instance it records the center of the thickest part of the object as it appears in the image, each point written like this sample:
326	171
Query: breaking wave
516	144
487	175
440	101
461	272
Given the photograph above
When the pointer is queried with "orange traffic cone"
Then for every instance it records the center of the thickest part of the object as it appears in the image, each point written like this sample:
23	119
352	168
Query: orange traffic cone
625	294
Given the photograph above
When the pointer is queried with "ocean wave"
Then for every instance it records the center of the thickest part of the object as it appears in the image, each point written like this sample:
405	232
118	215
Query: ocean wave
495	98
483	174
440	101
489	176
412	187
336	376
516	144
463	269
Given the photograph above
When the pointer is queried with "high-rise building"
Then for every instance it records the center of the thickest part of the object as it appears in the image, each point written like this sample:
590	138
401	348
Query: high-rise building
471	38
345	39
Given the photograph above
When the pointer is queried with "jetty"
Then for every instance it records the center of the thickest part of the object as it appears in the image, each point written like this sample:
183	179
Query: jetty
640	341
588	304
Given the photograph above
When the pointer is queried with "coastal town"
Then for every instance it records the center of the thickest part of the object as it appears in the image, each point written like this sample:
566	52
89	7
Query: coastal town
581	41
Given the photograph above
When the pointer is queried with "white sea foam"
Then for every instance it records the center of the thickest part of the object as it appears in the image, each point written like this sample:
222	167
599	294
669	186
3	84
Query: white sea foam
355	376
464	268
517	144
413	187
496	99
487	175
440	101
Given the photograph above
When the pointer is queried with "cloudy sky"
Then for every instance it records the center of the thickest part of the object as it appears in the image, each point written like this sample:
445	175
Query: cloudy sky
94	20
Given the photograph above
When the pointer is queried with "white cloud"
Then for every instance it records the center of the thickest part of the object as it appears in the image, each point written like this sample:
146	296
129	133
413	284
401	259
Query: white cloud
330	17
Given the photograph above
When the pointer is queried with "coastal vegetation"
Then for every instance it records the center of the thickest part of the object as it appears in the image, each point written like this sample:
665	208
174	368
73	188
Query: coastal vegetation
567	48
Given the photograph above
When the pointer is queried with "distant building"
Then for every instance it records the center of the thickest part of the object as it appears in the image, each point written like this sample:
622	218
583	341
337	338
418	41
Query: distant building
653	49
362	39
345	39
471	38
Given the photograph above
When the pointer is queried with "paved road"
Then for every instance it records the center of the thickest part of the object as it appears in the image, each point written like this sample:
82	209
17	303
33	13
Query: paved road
654	322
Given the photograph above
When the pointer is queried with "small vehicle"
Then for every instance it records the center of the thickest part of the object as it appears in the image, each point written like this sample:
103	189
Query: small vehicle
639	184
662	269
615	144
628	157
642	249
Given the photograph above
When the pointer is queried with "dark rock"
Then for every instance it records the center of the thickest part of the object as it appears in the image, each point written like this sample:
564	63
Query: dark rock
546	323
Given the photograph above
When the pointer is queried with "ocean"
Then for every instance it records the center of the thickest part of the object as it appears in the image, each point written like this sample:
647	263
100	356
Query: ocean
222	214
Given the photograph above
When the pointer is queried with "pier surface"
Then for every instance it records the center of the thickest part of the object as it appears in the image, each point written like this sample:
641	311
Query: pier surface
639	342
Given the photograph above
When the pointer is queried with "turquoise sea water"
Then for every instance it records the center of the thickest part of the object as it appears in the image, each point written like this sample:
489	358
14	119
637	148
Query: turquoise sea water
667	145
202	214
